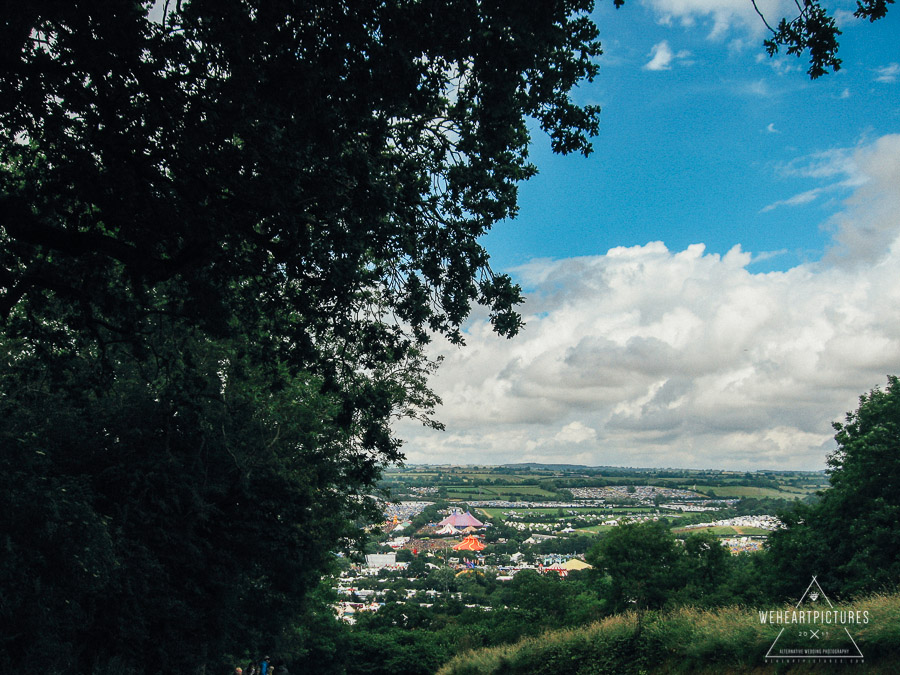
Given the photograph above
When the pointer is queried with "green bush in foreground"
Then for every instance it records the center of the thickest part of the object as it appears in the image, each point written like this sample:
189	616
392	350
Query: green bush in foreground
685	640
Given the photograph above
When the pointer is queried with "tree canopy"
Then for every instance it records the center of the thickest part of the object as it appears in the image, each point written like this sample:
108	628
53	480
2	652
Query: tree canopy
849	537
226	232
641	560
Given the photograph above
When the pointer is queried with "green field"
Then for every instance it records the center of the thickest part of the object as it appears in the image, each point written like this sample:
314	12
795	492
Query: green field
803	490
501	492
723	530
498	513
595	529
474	477
517	478
473	482
747	491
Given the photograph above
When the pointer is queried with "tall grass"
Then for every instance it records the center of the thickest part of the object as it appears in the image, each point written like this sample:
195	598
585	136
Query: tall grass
685	640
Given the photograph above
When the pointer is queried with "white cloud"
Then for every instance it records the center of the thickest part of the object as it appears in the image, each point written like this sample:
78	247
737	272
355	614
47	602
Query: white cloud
721	16
646	356
844	17
782	65
869	224
887	73
576	432
756	88
870	221
841	166
825	164
796	200
662	57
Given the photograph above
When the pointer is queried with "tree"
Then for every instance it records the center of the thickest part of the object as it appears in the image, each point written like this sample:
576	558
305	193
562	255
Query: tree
706	569
442	579
544	594
417	567
158	515
226	233
849	537
641	560
813	30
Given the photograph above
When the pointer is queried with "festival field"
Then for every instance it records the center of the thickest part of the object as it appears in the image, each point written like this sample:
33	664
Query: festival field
724	530
502	513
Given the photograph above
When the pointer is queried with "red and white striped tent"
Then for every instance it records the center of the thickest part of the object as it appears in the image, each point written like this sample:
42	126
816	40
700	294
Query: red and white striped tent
470	543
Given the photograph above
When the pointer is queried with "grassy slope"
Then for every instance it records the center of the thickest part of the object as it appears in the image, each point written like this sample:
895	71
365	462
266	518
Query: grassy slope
728	640
726	530
524	510
499	492
726	491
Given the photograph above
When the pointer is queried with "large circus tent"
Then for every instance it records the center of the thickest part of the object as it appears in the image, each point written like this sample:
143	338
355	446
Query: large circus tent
470	543
461	520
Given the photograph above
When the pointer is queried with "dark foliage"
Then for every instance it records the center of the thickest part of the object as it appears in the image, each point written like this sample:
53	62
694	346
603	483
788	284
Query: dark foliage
849	538
814	30
226	231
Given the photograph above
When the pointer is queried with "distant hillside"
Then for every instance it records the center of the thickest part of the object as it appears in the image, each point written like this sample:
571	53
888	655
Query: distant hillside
728	640
582	467
547	467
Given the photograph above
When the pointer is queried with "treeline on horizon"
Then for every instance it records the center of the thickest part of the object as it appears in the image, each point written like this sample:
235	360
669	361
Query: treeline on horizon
560	486
583	469
563	476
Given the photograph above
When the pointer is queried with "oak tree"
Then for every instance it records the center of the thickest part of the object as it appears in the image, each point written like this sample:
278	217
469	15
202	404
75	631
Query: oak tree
227	229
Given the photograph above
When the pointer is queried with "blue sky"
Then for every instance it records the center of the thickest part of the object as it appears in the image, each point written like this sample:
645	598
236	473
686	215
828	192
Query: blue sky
694	152
718	281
